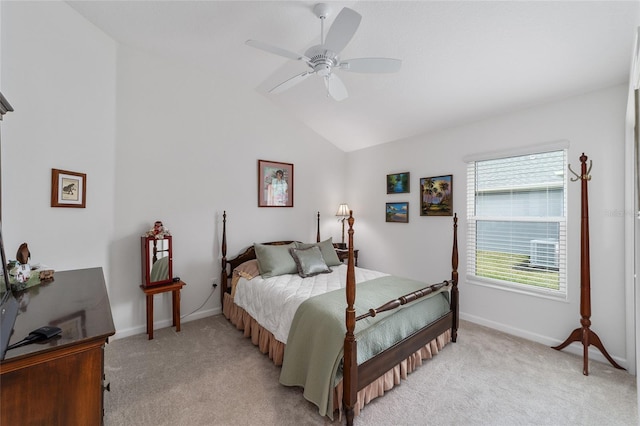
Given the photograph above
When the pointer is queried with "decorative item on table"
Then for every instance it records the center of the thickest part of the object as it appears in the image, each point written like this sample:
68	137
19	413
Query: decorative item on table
157	230
46	275
23	255
343	214
22	274
157	255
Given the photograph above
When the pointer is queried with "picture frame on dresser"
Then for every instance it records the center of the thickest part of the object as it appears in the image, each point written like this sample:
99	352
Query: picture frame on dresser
68	189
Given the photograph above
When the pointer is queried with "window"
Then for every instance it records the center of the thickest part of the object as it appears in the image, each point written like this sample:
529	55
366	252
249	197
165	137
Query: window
517	222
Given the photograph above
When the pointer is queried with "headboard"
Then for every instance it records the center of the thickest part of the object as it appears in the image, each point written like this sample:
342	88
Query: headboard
248	254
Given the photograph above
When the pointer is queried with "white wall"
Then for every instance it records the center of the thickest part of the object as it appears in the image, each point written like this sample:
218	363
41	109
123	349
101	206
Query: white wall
58	73
188	145
593	124
158	140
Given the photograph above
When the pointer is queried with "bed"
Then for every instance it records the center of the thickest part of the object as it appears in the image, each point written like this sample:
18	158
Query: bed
365	348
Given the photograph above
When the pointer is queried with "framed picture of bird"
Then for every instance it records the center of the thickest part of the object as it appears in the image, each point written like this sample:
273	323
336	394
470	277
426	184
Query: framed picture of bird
68	189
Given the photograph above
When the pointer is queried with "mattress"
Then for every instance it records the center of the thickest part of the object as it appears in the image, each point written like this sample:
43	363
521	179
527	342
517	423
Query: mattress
273	302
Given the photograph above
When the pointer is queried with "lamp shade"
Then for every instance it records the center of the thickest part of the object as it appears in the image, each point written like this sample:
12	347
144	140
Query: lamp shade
343	210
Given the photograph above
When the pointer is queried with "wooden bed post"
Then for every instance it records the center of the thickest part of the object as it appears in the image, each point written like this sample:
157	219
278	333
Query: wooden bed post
454	278
318	229
350	368
223	273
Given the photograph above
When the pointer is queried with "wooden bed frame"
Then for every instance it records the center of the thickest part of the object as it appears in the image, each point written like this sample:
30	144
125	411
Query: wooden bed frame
356	377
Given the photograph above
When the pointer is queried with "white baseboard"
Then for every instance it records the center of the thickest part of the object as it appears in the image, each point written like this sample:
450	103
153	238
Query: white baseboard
142	329
574	348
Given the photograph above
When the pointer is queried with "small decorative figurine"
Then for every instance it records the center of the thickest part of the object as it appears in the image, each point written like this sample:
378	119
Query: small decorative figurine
158	230
23	254
23	272
46	275
23	275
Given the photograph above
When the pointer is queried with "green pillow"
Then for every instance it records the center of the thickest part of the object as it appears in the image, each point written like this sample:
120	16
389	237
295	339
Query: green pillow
309	261
327	250
275	260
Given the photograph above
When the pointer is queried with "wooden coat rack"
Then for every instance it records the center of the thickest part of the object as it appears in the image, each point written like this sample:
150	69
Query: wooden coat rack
584	334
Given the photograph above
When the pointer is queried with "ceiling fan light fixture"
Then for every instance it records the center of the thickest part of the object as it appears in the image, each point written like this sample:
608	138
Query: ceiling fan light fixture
322	69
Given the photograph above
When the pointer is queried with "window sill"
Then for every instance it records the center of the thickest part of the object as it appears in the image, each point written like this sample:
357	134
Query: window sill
520	289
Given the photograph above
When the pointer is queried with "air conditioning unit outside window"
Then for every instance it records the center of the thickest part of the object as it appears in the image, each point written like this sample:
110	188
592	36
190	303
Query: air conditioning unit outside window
544	253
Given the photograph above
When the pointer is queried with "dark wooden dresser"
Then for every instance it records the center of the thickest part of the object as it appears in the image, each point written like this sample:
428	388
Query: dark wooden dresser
61	381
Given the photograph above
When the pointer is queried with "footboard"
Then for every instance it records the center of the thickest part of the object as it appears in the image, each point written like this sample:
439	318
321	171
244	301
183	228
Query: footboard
370	370
357	377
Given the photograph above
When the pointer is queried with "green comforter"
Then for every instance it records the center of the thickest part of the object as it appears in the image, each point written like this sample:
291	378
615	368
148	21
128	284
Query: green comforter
314	349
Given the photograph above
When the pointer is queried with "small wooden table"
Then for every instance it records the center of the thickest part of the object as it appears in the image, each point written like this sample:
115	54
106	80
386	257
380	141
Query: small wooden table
174	288
344	255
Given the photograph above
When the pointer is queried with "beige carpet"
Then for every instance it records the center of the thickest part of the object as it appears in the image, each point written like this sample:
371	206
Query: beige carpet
208	374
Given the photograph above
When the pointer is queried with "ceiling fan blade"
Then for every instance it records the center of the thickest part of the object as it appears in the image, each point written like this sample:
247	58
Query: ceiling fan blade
335	87
276	50
290	82
342	30
371	65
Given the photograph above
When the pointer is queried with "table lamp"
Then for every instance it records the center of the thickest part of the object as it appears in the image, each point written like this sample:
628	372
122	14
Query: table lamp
343	212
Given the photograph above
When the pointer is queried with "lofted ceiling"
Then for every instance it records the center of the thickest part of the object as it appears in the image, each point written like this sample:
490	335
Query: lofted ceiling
462	61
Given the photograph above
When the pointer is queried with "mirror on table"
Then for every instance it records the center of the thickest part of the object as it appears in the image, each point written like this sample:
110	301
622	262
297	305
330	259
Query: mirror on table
157	256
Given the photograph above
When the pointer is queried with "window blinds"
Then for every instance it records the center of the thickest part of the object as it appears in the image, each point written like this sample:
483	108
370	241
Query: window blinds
517	221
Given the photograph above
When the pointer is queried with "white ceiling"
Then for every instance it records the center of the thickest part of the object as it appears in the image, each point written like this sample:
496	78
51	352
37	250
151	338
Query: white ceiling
462	60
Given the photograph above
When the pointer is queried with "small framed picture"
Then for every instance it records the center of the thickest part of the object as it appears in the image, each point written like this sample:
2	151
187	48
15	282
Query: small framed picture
436	196
397	212
398	183
275	184
68	189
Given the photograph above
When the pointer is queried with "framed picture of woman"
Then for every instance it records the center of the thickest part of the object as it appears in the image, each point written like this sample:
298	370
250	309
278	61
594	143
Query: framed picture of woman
275	184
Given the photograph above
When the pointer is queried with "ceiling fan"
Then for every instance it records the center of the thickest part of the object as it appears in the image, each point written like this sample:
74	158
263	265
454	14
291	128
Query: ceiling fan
323	59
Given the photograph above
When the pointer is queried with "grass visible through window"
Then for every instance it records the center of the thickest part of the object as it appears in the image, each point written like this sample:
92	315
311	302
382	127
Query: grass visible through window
515	268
